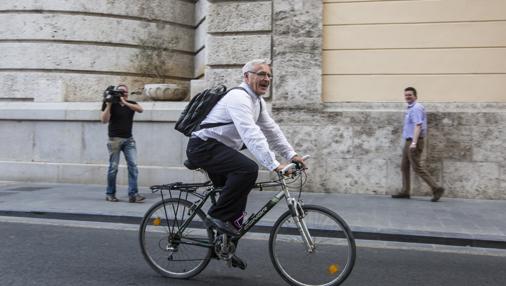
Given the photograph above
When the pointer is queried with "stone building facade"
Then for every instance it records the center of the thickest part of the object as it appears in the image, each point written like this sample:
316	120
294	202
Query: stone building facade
339	70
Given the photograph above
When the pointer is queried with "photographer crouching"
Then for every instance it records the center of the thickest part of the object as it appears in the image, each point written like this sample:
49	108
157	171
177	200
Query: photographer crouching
119	112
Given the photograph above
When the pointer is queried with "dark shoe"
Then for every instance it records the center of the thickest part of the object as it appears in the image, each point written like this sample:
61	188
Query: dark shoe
224	227
237	262
437	193
136	198
111	198
401	196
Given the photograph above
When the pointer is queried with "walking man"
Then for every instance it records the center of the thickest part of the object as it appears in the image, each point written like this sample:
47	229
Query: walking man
413	133
119	113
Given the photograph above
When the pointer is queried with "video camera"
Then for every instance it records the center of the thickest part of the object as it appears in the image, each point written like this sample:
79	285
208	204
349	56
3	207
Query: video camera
113	94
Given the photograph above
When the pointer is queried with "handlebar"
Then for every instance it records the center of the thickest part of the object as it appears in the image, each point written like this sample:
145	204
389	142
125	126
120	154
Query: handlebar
293	165
287	168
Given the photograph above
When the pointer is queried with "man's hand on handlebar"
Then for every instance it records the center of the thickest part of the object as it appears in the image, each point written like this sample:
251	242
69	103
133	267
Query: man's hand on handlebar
281	167
298	159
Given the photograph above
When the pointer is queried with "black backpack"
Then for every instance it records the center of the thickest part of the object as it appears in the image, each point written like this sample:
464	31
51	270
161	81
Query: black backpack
199	107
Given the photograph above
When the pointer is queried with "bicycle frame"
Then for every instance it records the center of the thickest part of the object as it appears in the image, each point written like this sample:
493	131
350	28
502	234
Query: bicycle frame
293	205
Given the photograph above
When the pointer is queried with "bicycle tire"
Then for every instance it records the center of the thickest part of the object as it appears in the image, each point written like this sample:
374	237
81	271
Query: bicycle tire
334	242
159	243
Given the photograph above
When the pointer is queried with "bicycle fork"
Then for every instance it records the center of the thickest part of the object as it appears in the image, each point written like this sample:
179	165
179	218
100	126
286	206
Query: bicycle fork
298	216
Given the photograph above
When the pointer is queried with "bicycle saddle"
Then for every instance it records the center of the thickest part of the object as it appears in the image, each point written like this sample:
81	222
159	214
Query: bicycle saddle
189	165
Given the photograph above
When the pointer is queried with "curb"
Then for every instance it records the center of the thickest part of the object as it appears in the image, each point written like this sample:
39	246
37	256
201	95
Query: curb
394	235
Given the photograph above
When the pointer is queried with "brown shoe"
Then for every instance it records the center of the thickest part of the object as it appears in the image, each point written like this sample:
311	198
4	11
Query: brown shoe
136	198
437	193
111	198
401	196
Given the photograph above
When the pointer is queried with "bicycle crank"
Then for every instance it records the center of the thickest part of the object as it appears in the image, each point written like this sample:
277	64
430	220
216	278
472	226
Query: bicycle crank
224	248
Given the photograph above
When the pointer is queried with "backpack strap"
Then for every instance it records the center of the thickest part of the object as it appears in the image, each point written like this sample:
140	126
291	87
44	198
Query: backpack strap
211	125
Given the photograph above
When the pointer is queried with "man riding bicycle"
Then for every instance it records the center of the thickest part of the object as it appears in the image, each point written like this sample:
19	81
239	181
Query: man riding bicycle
240	120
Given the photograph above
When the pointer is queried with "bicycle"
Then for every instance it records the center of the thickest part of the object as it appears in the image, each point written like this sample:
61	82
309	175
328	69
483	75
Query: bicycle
177	241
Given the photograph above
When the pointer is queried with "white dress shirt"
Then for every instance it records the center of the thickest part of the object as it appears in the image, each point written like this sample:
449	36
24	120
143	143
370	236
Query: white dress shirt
250	127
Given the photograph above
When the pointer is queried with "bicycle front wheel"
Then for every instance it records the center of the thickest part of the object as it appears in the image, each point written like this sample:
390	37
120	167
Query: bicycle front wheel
170	248
333	256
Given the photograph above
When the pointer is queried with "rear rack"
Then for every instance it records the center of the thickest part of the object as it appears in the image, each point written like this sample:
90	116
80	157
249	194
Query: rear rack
179	186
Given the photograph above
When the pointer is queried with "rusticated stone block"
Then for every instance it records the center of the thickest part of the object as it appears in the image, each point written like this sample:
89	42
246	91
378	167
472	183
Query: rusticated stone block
295	117
237	50
449	143
17	140
165	135
76	87
303	139
94	143
376	118
297	71
373	140
229	77
96	29
320	141
240	16
335	141
298	18
472	180
489	143
467	118
96	58
355	176
58	142
180	11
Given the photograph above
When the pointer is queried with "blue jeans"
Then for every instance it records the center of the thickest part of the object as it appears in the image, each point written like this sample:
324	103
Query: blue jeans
115	145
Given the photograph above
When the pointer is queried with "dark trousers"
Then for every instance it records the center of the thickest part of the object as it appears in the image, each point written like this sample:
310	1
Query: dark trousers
413	158
226	168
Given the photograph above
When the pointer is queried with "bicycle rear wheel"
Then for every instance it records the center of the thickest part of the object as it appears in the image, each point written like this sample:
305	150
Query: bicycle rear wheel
332	259
168	249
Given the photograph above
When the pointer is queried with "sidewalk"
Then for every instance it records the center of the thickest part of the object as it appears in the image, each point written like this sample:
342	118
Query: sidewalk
480	223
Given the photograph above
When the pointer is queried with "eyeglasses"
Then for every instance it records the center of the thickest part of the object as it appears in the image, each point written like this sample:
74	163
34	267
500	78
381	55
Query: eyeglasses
262	74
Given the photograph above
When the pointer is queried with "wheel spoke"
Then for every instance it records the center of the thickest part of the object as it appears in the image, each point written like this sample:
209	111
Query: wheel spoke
330	262
169	250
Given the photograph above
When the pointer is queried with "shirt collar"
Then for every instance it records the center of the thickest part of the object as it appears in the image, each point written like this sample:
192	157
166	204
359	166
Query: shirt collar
248	89
412	104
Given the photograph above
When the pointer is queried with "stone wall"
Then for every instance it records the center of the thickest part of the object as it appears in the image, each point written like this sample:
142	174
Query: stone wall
355	147
238	31
65	142
70	50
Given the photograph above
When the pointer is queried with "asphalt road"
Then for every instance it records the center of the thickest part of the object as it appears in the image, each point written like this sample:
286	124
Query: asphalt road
34	254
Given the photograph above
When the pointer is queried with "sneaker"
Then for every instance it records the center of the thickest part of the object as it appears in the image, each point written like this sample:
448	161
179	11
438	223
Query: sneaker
237	262
437	193
224	227
401	196
136	198
111	198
